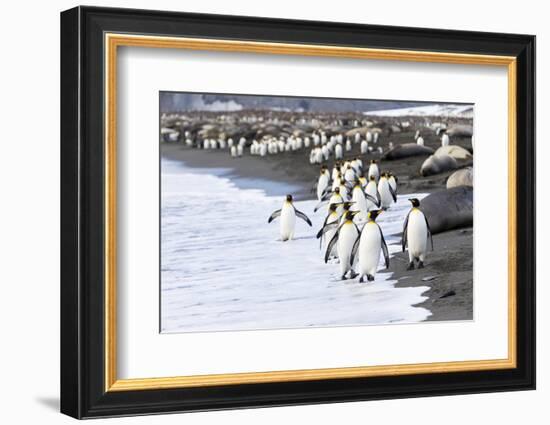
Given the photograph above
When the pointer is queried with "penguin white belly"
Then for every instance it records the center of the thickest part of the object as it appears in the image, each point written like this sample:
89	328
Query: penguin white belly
329	235
288	221
321	185
360	202
369	249
385	194
346	239
373	171
417	235
372	191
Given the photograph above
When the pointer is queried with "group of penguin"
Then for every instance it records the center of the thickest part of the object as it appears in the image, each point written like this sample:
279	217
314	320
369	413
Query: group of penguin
323	146
335	145
350	232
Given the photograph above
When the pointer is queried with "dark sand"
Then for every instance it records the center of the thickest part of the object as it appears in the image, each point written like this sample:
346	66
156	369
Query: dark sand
450	264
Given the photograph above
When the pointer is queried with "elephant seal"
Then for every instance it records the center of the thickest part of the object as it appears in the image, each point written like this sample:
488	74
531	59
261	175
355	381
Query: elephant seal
457	152
460	130
449	208
463	177
406	150
436	164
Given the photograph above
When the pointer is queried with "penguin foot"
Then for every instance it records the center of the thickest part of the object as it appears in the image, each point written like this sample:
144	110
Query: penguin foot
421	264
344	277
370	277
361	279
411	266
353	275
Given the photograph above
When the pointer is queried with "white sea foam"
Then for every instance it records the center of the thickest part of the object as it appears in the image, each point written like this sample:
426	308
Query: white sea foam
223	267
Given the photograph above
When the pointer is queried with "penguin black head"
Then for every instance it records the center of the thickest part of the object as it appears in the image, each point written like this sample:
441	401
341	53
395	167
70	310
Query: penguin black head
372	178
289	198
332	207
350	214
415	202
347	205
373	214
337	189
373	161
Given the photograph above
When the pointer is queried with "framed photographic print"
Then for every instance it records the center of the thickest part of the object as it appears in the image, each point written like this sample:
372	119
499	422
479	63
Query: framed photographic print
261	212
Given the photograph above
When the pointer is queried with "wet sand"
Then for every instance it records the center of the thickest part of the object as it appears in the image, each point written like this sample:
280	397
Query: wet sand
449	269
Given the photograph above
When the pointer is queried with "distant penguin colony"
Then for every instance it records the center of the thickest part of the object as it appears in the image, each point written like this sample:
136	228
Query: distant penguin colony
353	187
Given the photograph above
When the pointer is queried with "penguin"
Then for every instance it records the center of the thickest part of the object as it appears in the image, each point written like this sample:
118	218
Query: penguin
416	232
359	199
368	245
373	170
343	239
333	197
288	215
392	180
420	141
346	206
349	175
338	152
329	226
344	189
364	147
323	182
387	194
445	141
372	195
362	179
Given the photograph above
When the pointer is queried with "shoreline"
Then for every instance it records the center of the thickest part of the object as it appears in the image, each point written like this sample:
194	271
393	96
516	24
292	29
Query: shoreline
450	296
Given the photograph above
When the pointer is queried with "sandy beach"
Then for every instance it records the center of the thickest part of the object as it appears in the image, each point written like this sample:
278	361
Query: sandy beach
448	271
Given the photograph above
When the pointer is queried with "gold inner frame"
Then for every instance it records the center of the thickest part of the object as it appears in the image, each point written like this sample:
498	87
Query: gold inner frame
113	41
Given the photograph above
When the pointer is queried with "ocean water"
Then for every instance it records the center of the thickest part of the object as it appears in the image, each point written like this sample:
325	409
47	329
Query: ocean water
224	268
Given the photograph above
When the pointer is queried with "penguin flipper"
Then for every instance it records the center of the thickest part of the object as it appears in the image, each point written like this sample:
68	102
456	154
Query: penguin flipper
326	191
404	235
393	194
372	199
326	228
319	205
326	194
429	231
355	248
274	216
303	216
384	248
331	244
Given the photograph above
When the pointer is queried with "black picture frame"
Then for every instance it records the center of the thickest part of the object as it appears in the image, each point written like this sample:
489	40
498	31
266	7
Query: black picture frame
83	392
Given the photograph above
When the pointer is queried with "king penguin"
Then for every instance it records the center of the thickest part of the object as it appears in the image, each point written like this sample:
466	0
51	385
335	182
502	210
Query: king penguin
343	239
330	225
323	182
372	195
288	215
373	170
416	232
370	243
387	194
